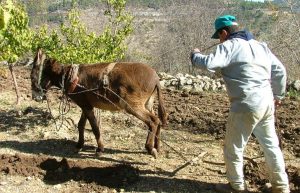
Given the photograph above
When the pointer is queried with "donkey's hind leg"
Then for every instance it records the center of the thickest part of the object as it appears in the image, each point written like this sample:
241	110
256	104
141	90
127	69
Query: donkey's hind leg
151	121
149	106
96	130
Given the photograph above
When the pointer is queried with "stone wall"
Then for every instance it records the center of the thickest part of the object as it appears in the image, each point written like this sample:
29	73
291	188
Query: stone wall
191	84
197	84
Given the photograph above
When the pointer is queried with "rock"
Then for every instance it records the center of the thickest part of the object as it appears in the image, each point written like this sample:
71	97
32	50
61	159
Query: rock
3	183
213	87
28	178
189	83
171	88
187	88
197	89
182	81
162	83
219	85
174	82
165	76
57	186
206	86
296	85
179	75
189	76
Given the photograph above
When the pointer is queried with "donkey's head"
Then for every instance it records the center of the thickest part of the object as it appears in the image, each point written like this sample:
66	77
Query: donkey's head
39	82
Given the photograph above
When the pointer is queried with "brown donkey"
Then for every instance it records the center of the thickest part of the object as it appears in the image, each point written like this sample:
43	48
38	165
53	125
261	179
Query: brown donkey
110	86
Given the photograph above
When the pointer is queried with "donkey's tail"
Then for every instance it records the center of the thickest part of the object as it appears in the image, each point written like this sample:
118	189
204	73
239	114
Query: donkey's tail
161	108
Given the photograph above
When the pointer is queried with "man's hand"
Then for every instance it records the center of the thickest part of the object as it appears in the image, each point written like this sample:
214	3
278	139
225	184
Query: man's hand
194	51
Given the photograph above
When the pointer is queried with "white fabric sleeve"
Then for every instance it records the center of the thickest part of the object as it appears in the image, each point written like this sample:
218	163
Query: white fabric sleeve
219	59
278	78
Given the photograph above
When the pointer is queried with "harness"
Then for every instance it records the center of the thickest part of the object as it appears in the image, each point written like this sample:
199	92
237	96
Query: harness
106	72
72	79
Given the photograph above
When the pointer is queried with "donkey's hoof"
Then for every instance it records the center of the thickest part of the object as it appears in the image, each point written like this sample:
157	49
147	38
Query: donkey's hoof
99	152
154	153
77	150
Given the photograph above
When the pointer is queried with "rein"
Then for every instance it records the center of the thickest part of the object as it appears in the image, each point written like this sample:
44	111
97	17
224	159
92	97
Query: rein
104	97
72	80
64	105
106	87
192	67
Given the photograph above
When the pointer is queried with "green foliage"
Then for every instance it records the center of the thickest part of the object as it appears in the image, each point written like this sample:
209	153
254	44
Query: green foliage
43	39
73	43
293	94
15	35
4	18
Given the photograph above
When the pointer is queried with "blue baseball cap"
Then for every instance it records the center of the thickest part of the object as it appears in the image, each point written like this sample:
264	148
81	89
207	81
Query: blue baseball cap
221	22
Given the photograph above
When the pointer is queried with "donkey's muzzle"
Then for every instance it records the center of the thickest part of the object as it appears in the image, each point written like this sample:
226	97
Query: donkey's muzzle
39	98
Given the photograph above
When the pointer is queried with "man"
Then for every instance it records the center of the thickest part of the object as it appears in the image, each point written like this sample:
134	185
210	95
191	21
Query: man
254	80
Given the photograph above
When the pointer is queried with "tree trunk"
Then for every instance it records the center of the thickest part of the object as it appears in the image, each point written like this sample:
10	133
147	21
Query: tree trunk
10	66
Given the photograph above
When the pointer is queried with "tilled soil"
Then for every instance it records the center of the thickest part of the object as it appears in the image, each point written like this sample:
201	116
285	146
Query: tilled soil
37	153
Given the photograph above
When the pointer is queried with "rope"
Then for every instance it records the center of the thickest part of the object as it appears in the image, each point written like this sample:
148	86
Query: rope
64	108
128	105
277	128
163	141
98	117
57	126
64	102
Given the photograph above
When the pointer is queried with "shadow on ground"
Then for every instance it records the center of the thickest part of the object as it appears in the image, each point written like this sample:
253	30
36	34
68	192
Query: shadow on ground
97	175
22	120
64	148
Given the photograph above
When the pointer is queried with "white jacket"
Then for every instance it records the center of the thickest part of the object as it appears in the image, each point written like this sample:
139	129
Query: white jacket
252	73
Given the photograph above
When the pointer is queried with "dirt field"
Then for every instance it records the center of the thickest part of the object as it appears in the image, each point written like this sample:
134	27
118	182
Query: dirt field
37	153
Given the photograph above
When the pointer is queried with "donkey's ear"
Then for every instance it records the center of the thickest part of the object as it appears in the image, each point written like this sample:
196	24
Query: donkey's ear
39	53
40	56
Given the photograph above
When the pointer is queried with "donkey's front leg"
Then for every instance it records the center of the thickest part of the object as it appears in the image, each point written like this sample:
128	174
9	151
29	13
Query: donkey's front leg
81	125
96	130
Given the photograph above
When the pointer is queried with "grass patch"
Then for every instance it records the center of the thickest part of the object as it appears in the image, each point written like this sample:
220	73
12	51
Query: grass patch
293	94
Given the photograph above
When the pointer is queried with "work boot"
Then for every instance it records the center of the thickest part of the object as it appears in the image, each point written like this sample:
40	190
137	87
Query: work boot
269	189
226	188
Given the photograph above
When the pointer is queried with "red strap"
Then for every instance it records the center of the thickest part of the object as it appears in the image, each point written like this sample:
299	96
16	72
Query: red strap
73	85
